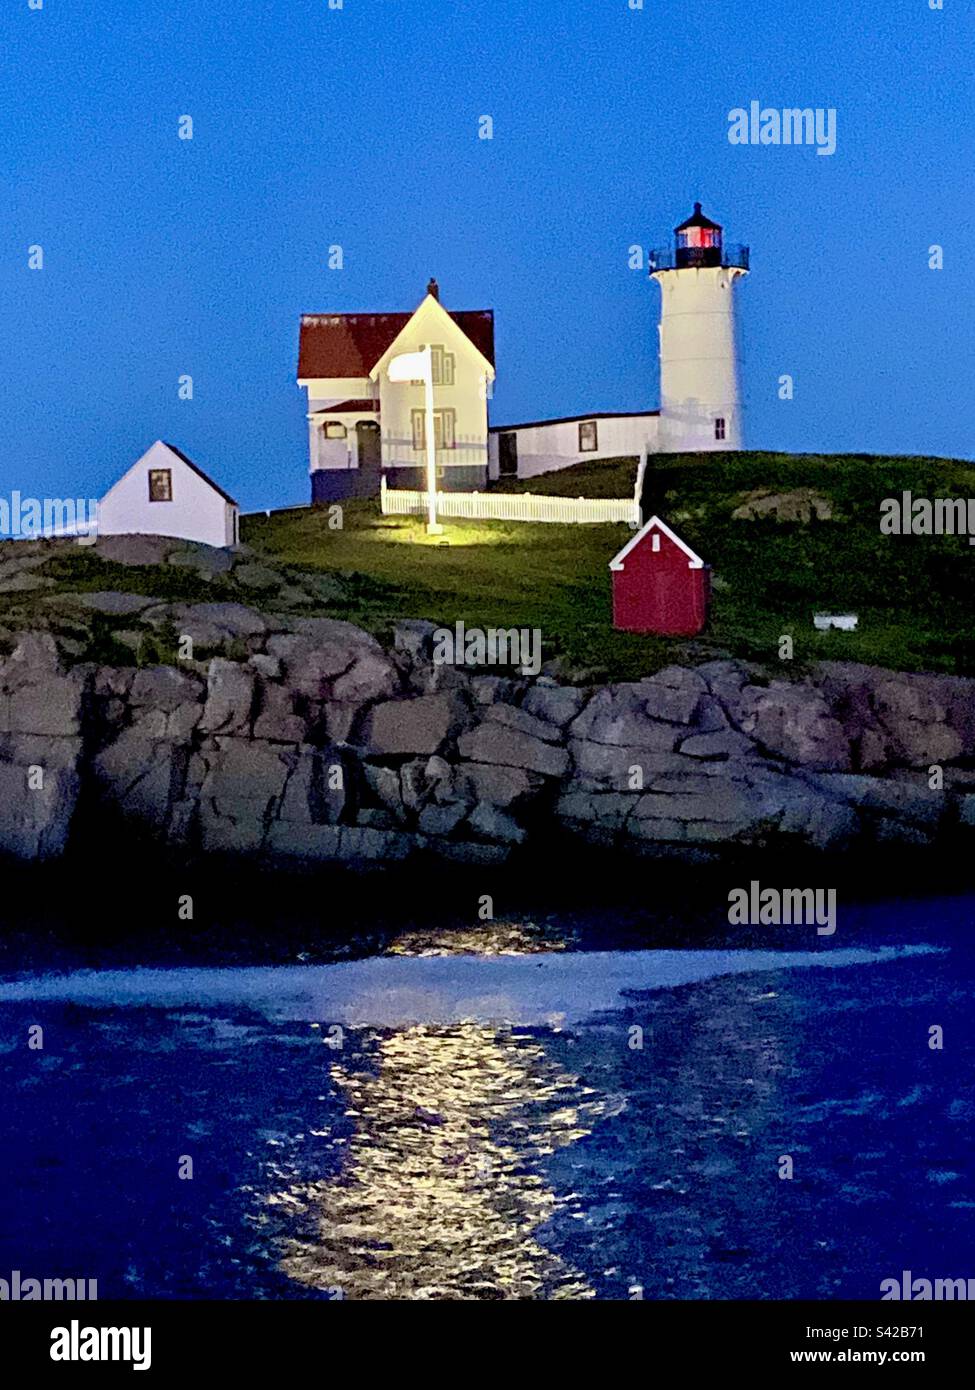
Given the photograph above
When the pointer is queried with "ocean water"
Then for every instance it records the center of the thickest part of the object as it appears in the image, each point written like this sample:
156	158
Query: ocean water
490	1116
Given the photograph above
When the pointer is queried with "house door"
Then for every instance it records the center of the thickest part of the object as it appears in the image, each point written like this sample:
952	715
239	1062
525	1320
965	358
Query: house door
368	445
508	455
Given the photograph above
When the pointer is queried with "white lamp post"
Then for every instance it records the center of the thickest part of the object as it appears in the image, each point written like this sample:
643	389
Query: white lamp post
418	366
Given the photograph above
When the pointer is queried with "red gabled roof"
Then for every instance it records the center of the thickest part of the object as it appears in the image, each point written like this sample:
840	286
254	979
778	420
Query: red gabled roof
343	345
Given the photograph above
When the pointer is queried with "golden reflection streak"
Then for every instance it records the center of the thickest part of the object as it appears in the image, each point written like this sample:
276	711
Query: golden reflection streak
439	1198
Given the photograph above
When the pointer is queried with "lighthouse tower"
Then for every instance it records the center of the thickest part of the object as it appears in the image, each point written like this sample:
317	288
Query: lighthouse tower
700	407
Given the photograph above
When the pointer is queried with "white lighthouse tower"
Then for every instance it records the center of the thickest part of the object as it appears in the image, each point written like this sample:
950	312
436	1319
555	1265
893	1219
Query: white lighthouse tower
700	406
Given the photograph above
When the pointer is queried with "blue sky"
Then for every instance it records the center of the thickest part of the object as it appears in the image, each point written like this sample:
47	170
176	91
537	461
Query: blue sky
358	127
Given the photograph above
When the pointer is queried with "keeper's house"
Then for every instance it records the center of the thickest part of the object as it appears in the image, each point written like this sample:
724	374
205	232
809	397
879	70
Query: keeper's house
362	426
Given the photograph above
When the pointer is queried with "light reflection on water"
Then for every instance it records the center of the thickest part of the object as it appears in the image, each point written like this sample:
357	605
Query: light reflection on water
441	1193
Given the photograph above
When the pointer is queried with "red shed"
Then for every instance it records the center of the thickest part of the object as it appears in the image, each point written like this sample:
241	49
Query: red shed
659	584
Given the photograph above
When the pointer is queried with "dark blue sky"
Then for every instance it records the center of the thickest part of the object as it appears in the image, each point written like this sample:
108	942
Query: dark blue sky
358	127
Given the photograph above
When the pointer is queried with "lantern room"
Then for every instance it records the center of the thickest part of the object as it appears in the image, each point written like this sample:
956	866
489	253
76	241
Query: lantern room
697	241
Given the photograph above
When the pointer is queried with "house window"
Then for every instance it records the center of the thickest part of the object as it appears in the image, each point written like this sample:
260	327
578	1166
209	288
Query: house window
443	366
160	485
719	427
444	429
335	430
588	439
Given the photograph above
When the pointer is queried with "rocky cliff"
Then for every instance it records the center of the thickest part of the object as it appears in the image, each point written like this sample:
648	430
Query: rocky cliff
303	740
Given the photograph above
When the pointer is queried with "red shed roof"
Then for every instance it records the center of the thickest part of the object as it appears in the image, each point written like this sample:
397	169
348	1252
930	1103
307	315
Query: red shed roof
343	345
694	562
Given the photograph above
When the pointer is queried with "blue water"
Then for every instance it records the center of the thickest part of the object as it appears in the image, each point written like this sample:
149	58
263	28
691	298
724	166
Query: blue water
437	1152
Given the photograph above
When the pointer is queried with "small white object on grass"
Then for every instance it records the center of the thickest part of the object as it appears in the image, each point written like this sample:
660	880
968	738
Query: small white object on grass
842	622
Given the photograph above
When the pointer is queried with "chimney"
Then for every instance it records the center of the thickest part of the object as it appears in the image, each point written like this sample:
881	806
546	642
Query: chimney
434	289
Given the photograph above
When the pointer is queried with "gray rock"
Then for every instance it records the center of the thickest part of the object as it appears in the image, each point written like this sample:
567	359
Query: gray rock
660	830
167	704
500	786
230	698
515	718
115	603
441	820
267	666
207	561
24	583
257	576
317	790
340	721
385	786
36	808
327	659
472	852
414	638
358	843
420	725
795	723
276	716
558	704
489	689
495	743
618	715
726	743
135	550
913	801
612	809
246	775
495	824
36	695
142	777
703	798
601	766
674	694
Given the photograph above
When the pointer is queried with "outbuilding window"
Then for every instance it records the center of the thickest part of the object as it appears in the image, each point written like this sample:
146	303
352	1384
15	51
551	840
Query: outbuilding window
588	437
160	484
334	429
719	427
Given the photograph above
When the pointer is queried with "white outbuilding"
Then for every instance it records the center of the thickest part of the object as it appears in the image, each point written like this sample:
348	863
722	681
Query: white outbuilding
166	494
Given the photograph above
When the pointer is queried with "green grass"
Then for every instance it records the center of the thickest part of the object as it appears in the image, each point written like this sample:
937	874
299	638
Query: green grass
915	596
596	478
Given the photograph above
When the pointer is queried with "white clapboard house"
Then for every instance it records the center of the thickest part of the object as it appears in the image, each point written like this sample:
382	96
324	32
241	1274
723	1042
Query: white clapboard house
166	494
361	425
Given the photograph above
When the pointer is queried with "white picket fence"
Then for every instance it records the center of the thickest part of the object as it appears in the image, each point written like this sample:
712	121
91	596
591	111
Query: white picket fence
512	506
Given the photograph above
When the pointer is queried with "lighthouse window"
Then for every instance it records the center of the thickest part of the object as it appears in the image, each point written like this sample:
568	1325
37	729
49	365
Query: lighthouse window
587	437
719	427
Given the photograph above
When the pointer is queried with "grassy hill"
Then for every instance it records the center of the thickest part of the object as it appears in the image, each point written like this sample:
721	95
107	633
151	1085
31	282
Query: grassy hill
915	596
